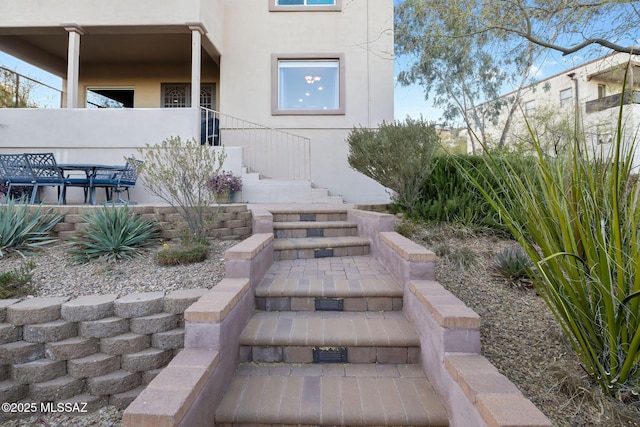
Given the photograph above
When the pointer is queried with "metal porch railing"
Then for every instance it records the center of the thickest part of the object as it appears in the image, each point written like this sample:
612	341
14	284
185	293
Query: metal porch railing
271	152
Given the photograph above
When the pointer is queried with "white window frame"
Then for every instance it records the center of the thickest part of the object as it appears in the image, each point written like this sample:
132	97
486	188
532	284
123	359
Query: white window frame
530	107
566	100
275	84
335	7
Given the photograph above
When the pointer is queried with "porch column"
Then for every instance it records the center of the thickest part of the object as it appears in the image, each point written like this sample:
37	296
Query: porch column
73	64
197	30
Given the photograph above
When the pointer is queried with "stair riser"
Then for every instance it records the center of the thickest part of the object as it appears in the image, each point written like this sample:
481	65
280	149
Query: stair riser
315	232
294	217
289	254
304	354
308	304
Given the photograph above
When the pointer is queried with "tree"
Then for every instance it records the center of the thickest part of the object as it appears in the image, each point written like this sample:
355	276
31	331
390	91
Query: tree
177	172
464	52
456	62
566	26
10	83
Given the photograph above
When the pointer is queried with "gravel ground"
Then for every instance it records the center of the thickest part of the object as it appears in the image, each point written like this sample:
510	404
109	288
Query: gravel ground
519	334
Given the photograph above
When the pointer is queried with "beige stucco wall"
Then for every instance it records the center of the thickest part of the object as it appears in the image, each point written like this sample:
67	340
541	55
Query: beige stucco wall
362	31
245	34
146	80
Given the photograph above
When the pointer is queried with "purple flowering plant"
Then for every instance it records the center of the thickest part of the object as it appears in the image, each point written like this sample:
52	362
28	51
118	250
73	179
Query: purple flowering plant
223	182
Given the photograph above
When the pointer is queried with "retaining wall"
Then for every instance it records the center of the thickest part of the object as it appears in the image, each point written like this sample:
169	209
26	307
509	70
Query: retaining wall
94	349
233	221
472	390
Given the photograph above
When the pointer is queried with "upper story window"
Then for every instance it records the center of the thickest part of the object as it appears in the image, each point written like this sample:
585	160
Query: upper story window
602	91
304	5
530	107
308	85
566	95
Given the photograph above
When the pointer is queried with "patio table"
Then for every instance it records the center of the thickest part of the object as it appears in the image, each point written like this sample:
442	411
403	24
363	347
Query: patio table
90	169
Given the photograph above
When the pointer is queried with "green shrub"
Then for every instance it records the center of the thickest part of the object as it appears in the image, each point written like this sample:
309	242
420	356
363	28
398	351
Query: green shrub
24	228
579	222
406	227
183	254
16	282
178	173
514	265
447	195
112	233
396	155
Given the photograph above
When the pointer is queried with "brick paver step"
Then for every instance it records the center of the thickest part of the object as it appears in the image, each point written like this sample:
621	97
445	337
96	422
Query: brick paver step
354	395
323	328
302	294
299	229
315	214
320	247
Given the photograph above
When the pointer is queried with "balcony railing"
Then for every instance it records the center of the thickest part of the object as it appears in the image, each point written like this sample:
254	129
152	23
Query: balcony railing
630	97
273	153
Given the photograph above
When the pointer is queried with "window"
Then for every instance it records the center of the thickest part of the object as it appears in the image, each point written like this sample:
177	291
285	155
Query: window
178	95
304	5
311	86
109	98
530	107
602	91
304	2
566	95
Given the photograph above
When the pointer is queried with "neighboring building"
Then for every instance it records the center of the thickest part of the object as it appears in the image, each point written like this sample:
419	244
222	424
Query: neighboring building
286	80
590	92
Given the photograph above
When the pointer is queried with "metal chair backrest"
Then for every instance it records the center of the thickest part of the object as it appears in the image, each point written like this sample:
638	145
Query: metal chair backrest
130	173
44	166
15	168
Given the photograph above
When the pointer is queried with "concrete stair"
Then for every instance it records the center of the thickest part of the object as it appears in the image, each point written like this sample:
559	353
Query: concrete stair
329	346
259	189
302	234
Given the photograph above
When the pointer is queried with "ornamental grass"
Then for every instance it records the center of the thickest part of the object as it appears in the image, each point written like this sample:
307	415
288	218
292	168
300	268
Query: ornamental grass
577	218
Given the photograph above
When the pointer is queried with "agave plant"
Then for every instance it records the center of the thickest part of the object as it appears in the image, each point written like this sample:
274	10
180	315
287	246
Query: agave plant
112	233
514	265
578	219
23	228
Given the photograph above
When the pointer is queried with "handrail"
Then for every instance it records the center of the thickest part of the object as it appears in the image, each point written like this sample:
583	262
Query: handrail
274	153
16	86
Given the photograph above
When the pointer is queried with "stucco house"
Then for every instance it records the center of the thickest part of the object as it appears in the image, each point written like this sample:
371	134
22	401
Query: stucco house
589	94
284	81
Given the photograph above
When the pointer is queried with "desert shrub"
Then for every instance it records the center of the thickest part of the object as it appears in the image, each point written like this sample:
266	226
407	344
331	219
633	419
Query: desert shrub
16	282
579	222
447	195
178	172
405	227
183	254
112	233
24	228
396	155
514	265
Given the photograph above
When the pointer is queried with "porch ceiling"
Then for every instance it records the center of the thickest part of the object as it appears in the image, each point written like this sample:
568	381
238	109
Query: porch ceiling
616	73
47	47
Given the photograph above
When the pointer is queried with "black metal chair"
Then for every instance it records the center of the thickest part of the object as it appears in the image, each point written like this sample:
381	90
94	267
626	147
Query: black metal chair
210	131
118	182
17	176
47	174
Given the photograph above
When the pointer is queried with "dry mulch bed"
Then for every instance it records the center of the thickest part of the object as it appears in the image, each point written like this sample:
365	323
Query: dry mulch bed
519	334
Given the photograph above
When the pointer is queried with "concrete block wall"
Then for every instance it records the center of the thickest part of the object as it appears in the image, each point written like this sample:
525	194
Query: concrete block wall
98	349
188	391
232	221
